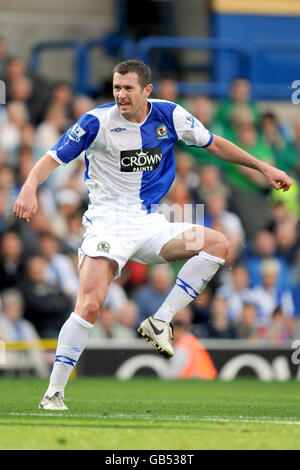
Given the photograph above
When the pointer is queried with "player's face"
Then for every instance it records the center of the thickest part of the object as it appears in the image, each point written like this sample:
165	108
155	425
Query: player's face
130	97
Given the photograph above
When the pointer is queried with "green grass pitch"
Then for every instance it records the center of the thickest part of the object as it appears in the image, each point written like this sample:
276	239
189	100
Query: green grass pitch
152	414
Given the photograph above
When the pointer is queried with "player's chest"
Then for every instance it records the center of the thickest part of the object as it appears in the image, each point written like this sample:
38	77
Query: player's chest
117	138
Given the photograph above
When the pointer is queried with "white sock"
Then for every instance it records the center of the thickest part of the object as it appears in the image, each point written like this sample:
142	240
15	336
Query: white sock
72	340
190	282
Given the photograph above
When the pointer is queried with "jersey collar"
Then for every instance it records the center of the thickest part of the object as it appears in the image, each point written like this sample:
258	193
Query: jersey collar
136	124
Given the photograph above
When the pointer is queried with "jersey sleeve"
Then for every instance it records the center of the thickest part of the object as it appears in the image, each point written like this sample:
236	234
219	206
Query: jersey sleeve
76	139
190	130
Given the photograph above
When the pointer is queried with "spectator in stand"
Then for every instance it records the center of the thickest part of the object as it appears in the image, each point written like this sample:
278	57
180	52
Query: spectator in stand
21	91
279	214
236	292
75	181
128	318
219	326
11	260
284	153
4	212
107	326
4	58
9	184
31	231
239	99
116	298
150	297
287	238
264	247
246	324
81	105
296	146
50	129
68	203
10	131
136	276
167	89
46	306
216	211
191	360
3	157
15	69
247	187
296	297
26	162
185	170
13	327
278	329
178	205
27	135
60	271
292	202
201	312
268	296
210	183
203	110
75	233
20	81
62	96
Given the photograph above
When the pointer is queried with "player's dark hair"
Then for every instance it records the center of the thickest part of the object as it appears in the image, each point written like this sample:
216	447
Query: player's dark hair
142	70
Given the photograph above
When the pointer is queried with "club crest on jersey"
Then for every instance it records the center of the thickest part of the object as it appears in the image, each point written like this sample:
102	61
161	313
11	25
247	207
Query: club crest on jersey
103	246
133	161
161	132
76	133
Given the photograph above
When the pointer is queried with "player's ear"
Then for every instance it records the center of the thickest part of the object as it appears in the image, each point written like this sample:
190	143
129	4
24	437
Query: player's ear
148	88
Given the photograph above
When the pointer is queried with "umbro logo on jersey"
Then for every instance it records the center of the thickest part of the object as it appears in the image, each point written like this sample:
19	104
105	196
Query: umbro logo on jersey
133	161
118	129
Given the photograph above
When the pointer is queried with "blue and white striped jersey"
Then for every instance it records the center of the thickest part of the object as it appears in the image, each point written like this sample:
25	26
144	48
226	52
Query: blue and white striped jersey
132	161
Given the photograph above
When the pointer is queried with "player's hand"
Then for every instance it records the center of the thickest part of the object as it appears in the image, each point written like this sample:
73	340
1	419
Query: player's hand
26	204
278	179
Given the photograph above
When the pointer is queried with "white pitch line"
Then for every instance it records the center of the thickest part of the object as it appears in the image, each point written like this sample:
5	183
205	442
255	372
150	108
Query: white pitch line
241	419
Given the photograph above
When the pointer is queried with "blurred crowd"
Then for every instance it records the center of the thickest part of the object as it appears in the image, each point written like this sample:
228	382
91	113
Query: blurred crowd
255	296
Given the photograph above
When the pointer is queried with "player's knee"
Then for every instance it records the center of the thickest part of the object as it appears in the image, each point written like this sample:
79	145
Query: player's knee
222	245
91	309
218	245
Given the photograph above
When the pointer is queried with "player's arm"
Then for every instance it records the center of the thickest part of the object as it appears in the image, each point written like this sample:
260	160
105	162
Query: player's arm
229	152
26	203
71	144
192	132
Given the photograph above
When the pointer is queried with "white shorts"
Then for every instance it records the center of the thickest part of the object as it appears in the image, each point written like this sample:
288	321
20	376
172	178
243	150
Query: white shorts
121	239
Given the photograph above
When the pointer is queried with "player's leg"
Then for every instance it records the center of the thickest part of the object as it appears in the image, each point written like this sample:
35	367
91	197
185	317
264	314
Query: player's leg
206	250
94	278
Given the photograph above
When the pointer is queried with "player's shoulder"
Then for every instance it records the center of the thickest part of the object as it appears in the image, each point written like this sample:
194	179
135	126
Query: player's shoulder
102	110
168	107
162	104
